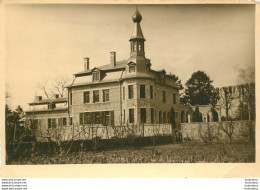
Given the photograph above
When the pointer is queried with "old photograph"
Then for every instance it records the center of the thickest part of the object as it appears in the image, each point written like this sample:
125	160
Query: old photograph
110	84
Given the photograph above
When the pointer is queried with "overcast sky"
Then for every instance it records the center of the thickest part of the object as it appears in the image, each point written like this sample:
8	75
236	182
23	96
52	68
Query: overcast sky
43	41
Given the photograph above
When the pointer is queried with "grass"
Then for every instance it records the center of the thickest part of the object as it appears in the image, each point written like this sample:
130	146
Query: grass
188	152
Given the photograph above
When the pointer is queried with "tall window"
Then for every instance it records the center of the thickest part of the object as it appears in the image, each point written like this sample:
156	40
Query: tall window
96	76
124	117
71	121
174	98
142	91
130	91
106	116
95	96
143	115
123	93
151	91
86	97
164	117
70	100
97	117
131	68
49	123
152	115
163	96
135	46
52	123
139	46
87	118
106	95
131	116
160	117
64	120
81	118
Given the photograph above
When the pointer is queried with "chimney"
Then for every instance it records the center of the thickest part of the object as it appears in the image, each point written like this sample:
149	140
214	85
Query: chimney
113	58
56	95
86	63
38	98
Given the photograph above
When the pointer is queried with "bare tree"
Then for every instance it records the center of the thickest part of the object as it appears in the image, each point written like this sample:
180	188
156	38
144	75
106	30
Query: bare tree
227	128
43	86
226	95
55	86
59	85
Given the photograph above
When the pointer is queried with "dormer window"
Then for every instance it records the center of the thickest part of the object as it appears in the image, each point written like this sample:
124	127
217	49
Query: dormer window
96	76
131	68
51	106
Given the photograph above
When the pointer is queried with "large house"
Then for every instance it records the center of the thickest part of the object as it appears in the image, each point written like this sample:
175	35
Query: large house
119	93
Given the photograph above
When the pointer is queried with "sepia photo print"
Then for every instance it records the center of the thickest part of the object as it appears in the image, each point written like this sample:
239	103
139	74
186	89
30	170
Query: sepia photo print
110	84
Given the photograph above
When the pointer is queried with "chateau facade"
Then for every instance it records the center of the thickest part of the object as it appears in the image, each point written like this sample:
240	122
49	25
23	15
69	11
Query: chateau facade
116	94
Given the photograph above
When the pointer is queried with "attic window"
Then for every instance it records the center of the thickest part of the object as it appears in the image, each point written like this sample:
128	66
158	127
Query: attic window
96	76
131	68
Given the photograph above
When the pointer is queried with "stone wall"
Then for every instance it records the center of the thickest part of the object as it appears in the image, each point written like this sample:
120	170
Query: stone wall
88	132
215	131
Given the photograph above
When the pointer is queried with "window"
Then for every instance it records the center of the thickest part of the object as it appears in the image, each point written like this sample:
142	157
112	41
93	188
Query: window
81	118
96	76
143	115
71	121
106	118
163	96
131	115
174	98
51	123
164	117
86	97
139	46
51	106
70	100
96	118
151	91
124	116
87	118
95	96
131	68
106	95
123	93
152	115
130	92
160	117
135	46
64	121
142	91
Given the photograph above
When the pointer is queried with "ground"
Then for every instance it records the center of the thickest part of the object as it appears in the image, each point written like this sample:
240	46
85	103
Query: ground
188	152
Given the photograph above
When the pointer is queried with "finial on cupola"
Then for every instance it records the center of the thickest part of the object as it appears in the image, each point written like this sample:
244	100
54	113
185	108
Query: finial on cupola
137	17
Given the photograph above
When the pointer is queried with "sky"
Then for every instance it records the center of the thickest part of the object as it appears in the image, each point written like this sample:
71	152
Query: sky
44	41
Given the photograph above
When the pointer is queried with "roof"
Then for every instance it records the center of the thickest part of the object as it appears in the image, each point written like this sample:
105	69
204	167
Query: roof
87	79
47	110
119	65
137	32
48	101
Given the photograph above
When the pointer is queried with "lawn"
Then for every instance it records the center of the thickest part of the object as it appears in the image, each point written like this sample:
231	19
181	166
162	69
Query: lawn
188	152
